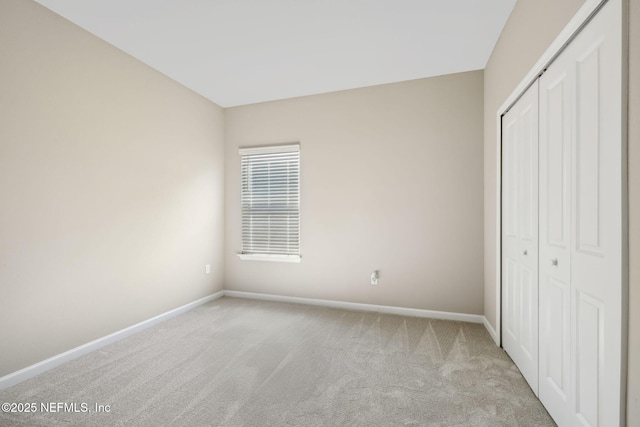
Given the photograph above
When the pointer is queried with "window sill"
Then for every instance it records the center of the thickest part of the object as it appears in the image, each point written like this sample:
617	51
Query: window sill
267	257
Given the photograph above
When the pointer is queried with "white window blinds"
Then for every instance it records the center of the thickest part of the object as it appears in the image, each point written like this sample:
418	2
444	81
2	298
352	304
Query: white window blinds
271	201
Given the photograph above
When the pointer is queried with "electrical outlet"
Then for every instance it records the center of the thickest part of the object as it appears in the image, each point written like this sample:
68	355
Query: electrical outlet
374	278
207	269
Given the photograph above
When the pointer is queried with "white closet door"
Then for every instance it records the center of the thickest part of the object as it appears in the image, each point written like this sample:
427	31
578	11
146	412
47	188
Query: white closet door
555	224
520	234
581	227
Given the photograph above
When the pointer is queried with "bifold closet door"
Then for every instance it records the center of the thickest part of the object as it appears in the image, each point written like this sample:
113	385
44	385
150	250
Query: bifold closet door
520	234
581	226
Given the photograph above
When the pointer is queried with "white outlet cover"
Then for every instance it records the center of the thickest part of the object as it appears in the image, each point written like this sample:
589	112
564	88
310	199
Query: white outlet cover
207	268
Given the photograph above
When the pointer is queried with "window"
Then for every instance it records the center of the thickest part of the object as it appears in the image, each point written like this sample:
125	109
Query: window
271	203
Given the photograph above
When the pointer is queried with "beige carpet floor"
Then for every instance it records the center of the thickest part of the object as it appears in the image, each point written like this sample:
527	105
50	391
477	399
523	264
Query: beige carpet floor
236	362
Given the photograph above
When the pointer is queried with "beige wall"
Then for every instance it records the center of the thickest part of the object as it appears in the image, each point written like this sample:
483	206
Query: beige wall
515	53
110	187
391	180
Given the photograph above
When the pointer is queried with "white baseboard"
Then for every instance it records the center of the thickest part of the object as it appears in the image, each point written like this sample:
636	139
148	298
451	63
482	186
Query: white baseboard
57	360
473	318
491	331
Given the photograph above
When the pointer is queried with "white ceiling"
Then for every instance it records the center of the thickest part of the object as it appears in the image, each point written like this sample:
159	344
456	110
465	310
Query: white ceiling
237	52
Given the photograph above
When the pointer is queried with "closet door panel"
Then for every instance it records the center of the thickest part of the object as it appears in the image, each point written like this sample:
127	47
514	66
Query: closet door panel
588	158
528	226
581	229
555	226
596	257
556	370
520	235
589	348
588	244
555	154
